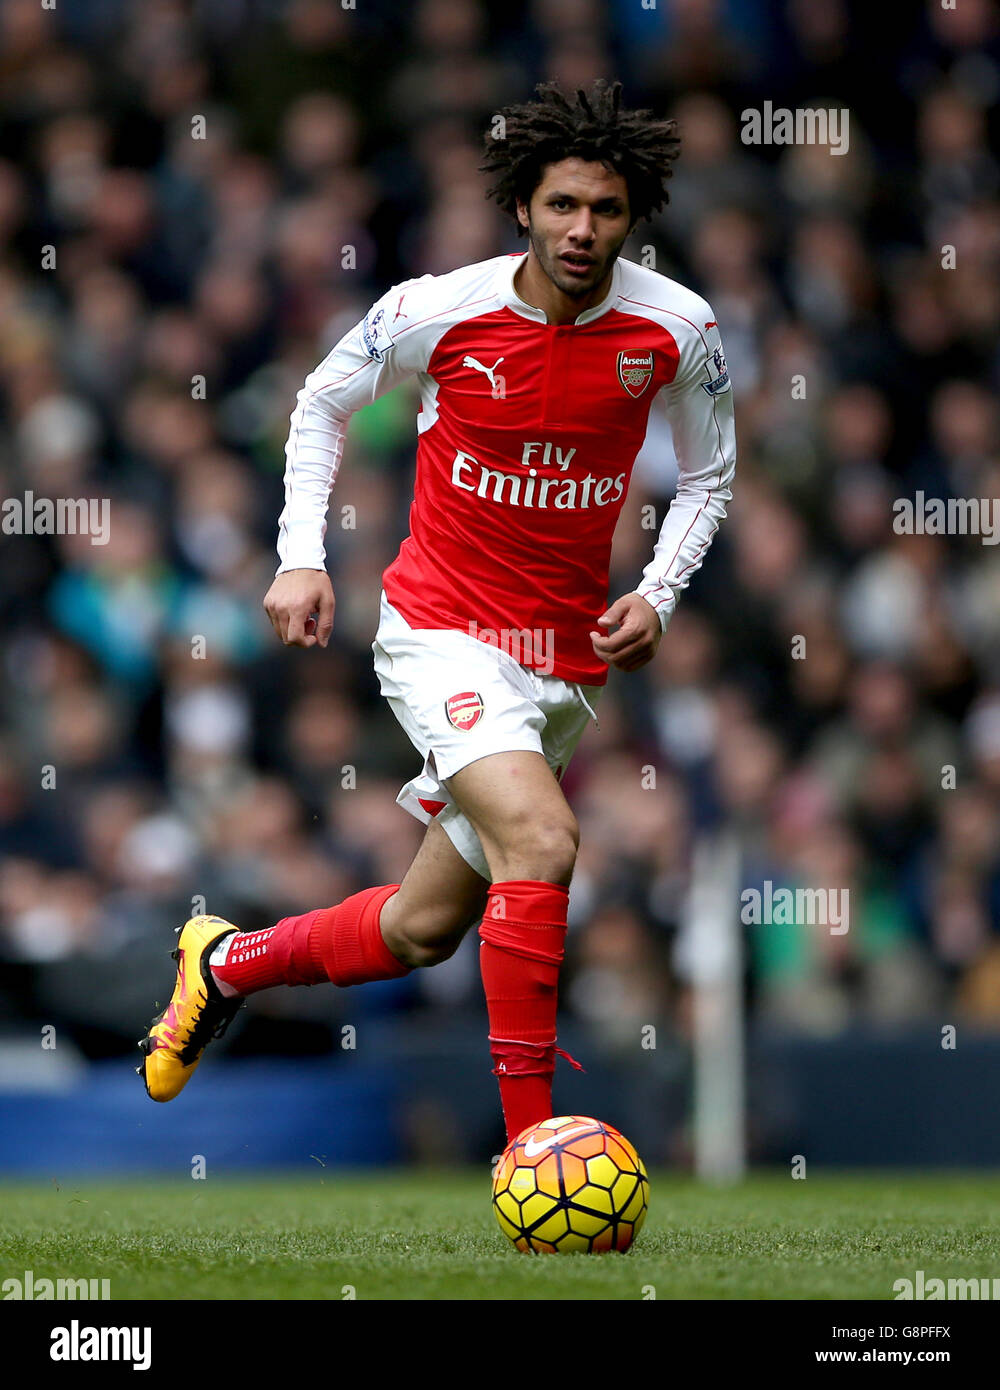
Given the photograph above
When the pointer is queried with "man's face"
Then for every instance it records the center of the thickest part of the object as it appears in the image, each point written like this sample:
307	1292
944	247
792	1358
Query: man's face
577	222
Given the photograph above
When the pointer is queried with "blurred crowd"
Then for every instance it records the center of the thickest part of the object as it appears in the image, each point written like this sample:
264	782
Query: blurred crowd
197	200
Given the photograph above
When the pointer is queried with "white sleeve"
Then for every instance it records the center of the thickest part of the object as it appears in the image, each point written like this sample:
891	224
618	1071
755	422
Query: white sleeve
699	405
362	366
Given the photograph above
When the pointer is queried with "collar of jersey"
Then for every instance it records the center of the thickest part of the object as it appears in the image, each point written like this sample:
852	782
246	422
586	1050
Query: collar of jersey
510	265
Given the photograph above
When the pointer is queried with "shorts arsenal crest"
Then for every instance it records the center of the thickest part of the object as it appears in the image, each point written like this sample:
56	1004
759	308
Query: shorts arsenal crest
463	710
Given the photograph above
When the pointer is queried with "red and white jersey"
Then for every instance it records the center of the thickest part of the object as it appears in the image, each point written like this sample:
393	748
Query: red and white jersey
527	434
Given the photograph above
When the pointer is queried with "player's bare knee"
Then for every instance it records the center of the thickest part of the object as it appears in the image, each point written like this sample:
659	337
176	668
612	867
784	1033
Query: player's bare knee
418	953
537	849
434	935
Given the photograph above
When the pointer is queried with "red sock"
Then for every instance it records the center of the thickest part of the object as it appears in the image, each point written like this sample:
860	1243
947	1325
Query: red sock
523	933
342	944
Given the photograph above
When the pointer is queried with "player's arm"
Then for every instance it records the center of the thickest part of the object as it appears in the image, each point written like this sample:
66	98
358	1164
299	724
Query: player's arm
700	409
365	364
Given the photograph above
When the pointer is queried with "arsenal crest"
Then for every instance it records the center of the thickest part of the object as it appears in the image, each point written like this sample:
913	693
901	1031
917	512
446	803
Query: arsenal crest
464	710
635	371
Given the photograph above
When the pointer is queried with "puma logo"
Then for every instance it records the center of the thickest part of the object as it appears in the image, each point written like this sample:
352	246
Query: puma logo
478	366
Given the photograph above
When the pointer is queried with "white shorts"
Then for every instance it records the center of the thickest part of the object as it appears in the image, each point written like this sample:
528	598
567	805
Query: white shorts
460	699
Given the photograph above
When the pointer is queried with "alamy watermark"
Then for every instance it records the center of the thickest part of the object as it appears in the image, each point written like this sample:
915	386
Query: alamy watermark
534	646
76	1343
957	516
31	1288
826	907
57	516
920	1287
779	125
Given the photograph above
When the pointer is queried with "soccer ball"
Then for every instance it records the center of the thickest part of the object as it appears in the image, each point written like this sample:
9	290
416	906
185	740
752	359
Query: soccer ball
570	1184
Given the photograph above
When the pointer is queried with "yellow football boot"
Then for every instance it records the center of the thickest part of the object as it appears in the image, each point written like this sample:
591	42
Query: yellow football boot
196	1014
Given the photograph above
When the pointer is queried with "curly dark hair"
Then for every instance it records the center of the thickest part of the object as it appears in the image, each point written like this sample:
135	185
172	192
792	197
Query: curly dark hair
635	144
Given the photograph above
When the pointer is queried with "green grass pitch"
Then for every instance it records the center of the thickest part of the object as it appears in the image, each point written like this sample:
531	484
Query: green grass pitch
432	1235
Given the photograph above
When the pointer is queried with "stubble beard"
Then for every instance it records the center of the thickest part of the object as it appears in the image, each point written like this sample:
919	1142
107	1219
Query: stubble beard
571	288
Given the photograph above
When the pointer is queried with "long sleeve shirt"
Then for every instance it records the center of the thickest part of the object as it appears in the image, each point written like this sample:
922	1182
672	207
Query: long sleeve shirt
526	437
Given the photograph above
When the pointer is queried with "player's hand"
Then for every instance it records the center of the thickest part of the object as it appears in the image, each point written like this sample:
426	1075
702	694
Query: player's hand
300	605
637	637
